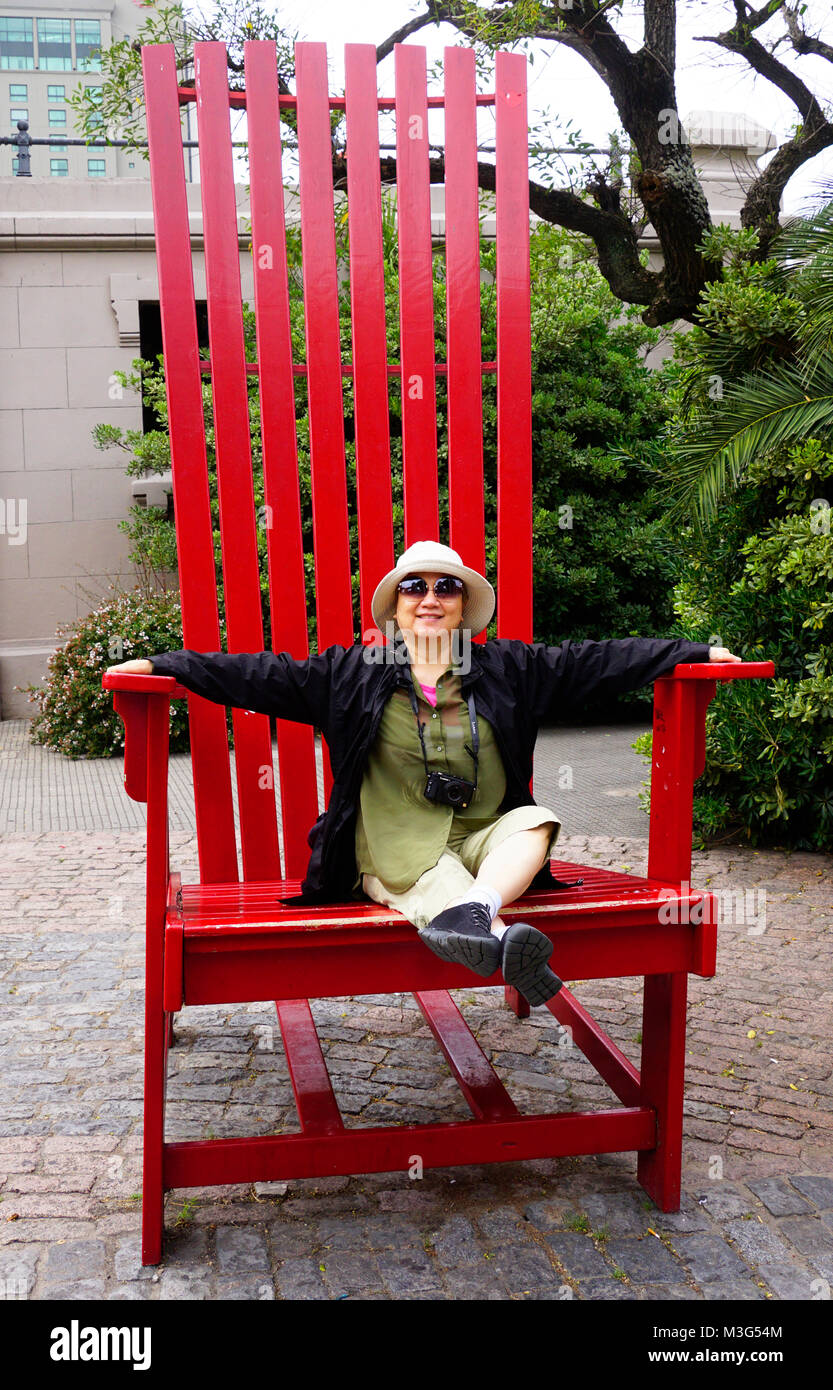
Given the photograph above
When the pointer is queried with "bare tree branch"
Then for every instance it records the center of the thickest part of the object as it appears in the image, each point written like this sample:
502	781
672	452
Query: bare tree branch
803	42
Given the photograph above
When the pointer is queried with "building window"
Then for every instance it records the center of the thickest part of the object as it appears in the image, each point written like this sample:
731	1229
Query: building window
56	93
17	43
18	91
59	167
58	149
15	163
54	45
57	117
97	168
87	42
95	119
19	113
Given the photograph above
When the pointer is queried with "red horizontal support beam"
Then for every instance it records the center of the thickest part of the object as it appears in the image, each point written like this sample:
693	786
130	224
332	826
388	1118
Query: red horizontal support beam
206	1162
485	1094
347	368
315	1100
237	100
601	1051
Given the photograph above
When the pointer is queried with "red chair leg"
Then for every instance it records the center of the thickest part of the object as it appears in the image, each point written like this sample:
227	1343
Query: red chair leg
515	1001
170	1029
663	1076
157	1025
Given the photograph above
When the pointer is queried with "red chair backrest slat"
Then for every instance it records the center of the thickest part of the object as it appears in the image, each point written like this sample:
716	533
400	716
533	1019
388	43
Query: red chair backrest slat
241	572
462	258
514	370
324	372
284	540
416	298
195	539
367	299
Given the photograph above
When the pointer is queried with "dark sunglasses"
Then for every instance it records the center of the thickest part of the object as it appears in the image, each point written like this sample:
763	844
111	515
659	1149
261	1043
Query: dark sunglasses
447	586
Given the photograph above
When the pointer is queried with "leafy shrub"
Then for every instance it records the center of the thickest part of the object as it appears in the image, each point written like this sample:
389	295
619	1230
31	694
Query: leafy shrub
76	717
757	563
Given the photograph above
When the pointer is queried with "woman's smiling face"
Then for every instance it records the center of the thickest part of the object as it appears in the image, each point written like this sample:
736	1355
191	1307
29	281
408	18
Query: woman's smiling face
424	614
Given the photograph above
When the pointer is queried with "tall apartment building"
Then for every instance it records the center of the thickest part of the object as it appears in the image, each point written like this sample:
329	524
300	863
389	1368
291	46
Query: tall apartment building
47	50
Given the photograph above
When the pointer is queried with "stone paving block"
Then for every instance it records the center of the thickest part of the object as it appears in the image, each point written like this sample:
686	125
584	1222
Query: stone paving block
241	1250
623	1213
645	1261
780	1197
609	1290
300	1279
473	1284
758	1242
793	1280
249	1289
524	1267
291	1238
819	1190
79	1289
407	1272
185	1249
76	1259
18	1270
811	1237
128	1261
578	1255
725	1200
709	1258
668	1293
391	1232
728	1291
503	1225
455	1242
348	1271
548	1215
345	1232
191	1286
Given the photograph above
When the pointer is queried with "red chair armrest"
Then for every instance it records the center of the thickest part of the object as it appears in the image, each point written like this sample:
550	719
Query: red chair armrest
722	670
144	713
147	685
678	756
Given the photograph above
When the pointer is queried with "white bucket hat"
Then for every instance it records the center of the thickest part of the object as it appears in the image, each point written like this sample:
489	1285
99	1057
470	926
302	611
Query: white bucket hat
429	557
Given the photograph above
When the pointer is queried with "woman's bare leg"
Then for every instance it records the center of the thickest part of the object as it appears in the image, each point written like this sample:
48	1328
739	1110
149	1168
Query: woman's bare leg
512	865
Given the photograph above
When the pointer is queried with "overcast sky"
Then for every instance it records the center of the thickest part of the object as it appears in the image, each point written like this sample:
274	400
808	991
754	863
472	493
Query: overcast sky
707	77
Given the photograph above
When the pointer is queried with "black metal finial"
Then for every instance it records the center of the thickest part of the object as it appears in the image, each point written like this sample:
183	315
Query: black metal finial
23	157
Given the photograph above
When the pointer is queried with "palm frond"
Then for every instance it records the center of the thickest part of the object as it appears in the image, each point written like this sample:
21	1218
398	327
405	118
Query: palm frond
759	413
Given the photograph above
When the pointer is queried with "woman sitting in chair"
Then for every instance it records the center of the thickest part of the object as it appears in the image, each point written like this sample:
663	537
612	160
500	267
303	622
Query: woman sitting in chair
431	741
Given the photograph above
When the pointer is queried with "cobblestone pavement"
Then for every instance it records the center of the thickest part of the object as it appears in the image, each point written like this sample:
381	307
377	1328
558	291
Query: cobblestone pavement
757	1214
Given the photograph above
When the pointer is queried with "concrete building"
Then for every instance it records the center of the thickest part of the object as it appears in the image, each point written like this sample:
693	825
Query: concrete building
78	301
46	52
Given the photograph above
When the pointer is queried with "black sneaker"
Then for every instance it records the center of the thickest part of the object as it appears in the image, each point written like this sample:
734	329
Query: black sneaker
463	935
526	951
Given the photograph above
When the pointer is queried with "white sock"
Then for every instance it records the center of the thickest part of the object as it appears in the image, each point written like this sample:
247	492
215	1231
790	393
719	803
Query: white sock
489	897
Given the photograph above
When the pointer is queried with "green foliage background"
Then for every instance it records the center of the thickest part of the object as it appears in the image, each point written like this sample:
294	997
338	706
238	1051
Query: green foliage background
758	560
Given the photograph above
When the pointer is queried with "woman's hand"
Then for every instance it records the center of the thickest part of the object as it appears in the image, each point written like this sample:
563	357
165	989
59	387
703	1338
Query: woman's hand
134	668
722	654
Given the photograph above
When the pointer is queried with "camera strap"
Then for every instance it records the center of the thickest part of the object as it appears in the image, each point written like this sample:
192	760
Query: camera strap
475	737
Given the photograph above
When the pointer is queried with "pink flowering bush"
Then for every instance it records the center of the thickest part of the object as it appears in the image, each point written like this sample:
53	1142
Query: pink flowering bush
76	717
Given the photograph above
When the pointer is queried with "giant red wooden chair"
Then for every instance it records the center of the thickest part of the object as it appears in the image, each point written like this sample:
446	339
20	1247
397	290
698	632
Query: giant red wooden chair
224	939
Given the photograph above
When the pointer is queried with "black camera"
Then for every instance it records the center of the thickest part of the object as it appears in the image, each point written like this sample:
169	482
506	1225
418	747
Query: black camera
449	790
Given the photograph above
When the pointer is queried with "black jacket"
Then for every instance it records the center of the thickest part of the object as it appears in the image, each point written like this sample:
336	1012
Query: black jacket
517	686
